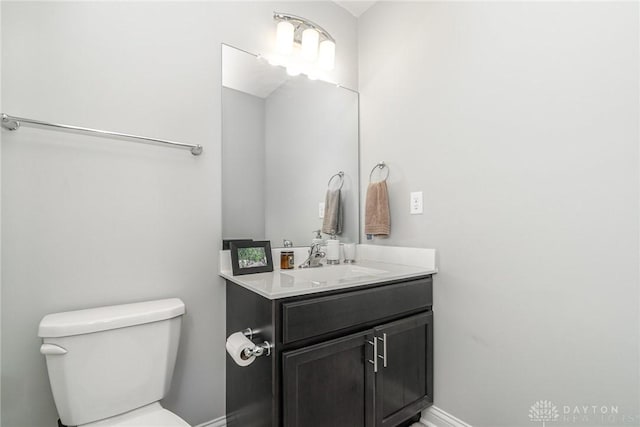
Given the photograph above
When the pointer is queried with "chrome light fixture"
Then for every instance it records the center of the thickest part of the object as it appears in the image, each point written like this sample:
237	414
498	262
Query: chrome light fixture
302	46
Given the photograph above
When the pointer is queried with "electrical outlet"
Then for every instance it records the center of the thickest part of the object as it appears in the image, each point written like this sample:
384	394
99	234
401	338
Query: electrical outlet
321	210
416	203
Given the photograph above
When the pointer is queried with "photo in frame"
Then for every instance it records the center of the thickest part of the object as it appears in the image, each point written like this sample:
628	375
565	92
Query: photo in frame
250	257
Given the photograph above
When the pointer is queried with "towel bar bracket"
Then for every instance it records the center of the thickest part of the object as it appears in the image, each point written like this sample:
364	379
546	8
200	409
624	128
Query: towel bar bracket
9	124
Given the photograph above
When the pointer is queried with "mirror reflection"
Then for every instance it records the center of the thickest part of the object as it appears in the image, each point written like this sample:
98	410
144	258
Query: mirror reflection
285	142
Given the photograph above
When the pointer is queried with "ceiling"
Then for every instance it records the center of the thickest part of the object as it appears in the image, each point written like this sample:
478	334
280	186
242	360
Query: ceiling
356	8
247	73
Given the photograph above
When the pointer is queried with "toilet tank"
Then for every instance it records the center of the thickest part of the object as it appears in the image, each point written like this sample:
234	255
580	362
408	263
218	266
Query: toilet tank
106	361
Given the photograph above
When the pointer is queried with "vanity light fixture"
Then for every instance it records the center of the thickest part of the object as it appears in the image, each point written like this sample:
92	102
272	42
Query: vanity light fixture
284	35
302	46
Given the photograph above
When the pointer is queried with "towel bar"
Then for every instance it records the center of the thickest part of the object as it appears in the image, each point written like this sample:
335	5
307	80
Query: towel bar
340	175
379	165
13	123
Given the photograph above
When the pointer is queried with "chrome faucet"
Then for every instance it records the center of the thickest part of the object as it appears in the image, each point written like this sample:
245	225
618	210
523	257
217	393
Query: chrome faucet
315	255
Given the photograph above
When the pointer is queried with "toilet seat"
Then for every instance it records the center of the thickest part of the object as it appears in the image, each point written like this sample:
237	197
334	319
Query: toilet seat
152	415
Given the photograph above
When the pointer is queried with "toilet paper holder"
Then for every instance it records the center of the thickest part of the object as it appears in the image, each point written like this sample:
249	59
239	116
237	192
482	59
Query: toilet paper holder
258	350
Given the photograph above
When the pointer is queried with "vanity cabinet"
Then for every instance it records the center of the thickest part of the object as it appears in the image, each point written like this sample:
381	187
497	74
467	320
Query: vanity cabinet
329	384
354	357
404	381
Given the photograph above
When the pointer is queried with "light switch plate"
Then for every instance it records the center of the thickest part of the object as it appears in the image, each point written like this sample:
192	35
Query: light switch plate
416	203
321	210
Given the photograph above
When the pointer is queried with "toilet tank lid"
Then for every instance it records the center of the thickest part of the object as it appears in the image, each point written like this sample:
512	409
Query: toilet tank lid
111	317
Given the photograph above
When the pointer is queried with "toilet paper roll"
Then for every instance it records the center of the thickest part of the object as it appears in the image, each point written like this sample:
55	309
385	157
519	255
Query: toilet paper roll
236	344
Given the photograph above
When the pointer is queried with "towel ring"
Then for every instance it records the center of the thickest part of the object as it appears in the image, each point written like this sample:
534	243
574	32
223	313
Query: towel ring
340	176
380	165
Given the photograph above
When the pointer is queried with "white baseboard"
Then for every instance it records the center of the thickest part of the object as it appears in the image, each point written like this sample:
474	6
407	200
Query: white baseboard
436	417
218	422
431	417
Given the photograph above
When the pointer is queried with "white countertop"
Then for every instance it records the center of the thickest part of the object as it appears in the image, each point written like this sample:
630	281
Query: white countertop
369	269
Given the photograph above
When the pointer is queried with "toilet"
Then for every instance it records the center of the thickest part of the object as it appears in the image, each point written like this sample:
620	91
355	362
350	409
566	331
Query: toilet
110	366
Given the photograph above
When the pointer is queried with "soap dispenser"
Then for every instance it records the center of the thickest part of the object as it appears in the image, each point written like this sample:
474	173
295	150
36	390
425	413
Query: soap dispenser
318	239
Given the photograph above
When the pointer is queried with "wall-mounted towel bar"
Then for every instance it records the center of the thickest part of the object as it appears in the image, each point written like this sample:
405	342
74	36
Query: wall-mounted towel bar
13	123
340	176
380	165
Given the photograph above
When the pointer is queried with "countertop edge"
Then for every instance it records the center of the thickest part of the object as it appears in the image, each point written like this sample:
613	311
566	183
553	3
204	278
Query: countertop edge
370	280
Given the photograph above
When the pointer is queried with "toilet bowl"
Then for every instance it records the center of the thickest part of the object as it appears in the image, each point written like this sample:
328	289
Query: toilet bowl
110	366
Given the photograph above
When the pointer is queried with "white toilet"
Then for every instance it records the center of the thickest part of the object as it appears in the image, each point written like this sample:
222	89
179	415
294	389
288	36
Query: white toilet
110	366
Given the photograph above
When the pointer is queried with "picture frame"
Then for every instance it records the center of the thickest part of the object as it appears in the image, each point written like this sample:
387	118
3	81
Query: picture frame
226	243
249	257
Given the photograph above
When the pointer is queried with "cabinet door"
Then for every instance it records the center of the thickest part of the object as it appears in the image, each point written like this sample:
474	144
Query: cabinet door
329	384
404	382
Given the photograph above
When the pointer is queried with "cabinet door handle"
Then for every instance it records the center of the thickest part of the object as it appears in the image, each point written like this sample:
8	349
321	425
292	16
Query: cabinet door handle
374	343
384	349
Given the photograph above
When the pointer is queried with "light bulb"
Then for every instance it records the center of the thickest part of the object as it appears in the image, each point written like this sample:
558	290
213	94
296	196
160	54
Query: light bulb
310	38
327	55
284	37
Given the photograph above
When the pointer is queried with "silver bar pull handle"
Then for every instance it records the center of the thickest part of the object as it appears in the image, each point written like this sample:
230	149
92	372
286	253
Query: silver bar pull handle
374	343
384	349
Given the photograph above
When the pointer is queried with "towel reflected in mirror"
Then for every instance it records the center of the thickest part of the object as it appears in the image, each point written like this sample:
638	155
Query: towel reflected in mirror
332	223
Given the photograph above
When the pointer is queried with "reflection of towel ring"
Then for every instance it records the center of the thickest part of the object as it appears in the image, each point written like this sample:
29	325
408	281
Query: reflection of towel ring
380	165
340	175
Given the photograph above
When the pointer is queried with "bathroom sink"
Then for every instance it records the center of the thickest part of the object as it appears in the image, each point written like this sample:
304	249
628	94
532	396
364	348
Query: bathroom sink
332	273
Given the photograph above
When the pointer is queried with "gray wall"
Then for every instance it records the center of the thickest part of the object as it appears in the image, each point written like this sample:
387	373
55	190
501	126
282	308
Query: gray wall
311	134
243	174
519	121
90	222
1	109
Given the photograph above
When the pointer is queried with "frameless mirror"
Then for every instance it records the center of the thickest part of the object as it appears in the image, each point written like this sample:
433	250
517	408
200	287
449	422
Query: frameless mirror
283	139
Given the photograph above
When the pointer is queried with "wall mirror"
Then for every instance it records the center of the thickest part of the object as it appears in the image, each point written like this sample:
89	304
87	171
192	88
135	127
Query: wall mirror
283	138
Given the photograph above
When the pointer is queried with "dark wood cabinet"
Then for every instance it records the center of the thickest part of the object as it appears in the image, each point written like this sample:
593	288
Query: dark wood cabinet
329	384
404	381
358	357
